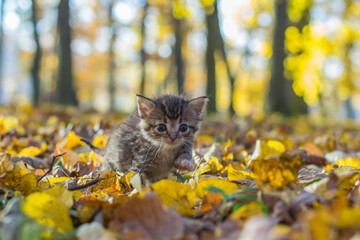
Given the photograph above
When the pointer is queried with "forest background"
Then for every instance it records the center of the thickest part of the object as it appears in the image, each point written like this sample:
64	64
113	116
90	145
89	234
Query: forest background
250	57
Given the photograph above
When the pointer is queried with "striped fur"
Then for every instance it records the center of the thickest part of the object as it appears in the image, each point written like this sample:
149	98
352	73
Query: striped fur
137	144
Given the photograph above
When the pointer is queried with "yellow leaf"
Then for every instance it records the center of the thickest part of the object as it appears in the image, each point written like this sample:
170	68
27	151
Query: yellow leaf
203	168
8	123
204	184
349	217
348	162
226	159
128	176
95	158
72	140
215	165
278	146
329	167
84	213
54	180
288	143
84	156
227	146
277	171
270	148
62	194
16	176
248	210
52	121
178	195
115	188
206	138
235	174
6	165
109	178
49	210
100	141
29	152
321	224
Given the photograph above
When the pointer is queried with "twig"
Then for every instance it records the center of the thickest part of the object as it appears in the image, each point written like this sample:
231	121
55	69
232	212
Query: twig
35	162
93	182
51	165
98	151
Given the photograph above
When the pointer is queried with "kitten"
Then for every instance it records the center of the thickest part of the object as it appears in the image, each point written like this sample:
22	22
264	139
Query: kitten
158	137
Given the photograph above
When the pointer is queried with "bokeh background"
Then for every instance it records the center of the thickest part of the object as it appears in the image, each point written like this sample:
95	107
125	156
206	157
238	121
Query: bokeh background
250	57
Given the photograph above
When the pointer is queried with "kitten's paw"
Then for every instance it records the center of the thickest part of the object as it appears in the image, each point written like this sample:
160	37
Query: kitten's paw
186	165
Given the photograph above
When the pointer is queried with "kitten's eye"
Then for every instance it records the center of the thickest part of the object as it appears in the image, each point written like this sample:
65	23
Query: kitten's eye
161	127
183	128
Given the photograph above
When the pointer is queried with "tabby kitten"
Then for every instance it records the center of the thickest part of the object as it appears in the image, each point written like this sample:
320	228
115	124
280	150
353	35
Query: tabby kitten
158	137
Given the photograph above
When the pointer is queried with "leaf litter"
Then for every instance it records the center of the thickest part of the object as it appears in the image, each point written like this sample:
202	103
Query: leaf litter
275	179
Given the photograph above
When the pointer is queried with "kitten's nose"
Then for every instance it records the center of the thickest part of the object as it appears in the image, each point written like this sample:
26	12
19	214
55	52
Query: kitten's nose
172	136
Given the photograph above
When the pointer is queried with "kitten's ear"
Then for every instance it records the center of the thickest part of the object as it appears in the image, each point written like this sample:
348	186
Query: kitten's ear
198	105
144	106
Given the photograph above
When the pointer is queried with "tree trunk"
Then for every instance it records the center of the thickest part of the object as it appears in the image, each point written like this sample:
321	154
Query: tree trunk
221	47
211	21
142	52
178	55
281	96
111	58
36	61
65	90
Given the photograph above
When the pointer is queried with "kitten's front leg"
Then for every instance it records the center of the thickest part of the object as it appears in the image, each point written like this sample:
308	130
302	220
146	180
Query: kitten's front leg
184	162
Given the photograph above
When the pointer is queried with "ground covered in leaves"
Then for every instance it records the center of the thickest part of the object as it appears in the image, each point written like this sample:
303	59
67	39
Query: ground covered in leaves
275	179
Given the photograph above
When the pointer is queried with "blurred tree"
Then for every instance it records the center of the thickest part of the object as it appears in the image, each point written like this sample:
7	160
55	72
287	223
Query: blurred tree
111	56
281	96
211	21
1	41
36	61
142	51
348	79
228	70
65	89
215	42
178	54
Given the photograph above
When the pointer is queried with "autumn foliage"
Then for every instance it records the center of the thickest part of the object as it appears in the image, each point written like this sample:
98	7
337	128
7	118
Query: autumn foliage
276	179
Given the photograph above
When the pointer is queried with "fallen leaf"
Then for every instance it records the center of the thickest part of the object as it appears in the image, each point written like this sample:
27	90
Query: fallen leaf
235	174
176	195
100	141
204	184
148	217
16	177
348	162
50	208
71	141
313	149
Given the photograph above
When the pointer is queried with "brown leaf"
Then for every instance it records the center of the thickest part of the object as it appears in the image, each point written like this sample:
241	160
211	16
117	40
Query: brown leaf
149	218
81	168
313	149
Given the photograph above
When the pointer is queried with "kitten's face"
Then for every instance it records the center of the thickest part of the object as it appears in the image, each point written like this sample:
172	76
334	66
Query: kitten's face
170	120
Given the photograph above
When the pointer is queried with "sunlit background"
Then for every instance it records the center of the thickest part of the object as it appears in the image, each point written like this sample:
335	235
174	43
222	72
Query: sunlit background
322	43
